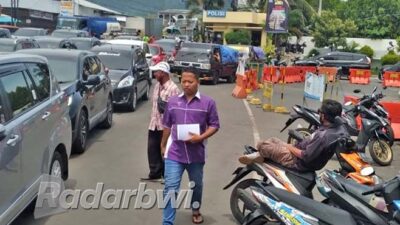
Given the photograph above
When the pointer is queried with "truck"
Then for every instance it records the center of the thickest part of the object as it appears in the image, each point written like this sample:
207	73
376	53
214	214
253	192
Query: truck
96	26
212	61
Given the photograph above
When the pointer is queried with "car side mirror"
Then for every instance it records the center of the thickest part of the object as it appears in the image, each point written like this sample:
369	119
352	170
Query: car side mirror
2	131
357	91
92	80
148	56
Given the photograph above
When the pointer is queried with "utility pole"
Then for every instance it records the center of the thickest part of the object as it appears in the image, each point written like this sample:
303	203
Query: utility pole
320	8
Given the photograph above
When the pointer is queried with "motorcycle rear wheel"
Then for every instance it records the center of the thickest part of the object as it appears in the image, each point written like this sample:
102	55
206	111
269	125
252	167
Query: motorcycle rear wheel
381	152
304	131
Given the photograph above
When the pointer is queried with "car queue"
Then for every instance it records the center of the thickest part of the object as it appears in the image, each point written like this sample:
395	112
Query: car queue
55	89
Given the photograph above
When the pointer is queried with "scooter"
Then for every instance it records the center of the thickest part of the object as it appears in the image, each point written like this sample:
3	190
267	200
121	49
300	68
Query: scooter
375	132
279	207
300	183
368	205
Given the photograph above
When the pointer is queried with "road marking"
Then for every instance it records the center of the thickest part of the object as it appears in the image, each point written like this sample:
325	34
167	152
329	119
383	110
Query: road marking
256	134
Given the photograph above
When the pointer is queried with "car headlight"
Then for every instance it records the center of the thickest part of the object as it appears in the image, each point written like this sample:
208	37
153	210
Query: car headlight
70	99
205	66
126	82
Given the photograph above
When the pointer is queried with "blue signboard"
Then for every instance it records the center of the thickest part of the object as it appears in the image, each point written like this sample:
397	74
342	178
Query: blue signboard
216	13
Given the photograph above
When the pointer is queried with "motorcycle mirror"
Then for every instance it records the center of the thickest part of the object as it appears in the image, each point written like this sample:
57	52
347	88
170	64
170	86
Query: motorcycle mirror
357	91
367	171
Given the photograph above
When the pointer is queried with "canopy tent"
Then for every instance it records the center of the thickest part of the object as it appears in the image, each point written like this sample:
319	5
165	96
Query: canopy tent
6	19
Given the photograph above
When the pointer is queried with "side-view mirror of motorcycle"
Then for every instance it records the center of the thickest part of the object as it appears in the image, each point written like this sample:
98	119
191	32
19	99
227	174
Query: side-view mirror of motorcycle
357	91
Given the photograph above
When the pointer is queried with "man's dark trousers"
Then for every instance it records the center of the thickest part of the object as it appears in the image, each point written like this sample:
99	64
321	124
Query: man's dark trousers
156	163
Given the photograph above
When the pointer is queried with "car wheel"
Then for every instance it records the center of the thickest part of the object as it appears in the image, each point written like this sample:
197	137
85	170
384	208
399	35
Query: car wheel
146	95
133	103
57	166
215	78
231	78
107	122
79	144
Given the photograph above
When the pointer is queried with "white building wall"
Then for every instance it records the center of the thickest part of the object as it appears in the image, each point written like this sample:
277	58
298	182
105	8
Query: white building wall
379	46
135	23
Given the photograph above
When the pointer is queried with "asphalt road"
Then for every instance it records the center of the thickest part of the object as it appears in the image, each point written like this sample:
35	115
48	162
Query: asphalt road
118	158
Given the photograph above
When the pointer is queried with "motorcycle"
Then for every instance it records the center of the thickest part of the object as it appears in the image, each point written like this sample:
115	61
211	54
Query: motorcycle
300	183
279	207
368	205
375	131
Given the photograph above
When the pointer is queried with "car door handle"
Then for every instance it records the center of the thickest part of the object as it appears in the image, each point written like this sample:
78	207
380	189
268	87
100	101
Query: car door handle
46	115
13	140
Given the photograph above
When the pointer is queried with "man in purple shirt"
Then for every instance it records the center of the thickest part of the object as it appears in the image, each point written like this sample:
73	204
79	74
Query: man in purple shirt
189	119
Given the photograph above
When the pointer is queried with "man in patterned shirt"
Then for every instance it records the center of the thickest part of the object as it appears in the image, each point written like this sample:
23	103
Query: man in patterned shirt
163	90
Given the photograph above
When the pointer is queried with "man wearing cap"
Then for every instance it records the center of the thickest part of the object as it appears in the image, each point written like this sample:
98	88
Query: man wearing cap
163	90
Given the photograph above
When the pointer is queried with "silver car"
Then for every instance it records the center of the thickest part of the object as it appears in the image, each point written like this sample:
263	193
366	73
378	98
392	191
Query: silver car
35	131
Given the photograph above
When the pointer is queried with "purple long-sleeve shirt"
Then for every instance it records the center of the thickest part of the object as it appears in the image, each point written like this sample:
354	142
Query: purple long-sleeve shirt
200	110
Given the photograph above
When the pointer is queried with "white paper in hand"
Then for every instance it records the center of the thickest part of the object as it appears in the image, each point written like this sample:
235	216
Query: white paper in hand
183	131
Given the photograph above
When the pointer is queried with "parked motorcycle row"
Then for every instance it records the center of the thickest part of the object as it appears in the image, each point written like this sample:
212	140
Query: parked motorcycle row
353	193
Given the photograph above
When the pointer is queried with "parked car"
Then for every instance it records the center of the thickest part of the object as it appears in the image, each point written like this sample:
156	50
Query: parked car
11	28
5	33
140	44
52	42
84	43
66	33
35	131
170	48
125	37
212	61
30	32
392	68
343	60
82	76
14	44
128	71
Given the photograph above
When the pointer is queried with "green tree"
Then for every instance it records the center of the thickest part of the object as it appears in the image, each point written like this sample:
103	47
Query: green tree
238	37
374	19
368	51
330	30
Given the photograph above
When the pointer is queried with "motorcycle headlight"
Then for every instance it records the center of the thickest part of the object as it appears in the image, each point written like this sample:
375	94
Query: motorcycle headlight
367	171
126	82
205	66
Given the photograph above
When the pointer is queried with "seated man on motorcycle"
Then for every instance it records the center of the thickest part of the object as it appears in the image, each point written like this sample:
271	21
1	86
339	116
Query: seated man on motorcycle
310	154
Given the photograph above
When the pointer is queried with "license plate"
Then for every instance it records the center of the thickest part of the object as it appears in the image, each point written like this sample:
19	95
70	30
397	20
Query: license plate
359	72
394	76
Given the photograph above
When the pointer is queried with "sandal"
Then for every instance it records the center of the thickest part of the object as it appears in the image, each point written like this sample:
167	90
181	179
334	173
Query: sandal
197	218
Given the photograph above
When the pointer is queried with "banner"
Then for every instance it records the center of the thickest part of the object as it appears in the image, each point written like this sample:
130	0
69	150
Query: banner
314	86
277	16
67	8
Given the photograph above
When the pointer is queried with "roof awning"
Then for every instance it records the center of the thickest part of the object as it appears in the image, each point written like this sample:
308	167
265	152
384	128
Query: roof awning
92	5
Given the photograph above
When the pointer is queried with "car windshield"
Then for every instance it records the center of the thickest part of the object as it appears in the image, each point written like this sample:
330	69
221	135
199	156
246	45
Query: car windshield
65	69
48	43
191	55
82	44
27	32
154	50
115	60
64	34
7	47
167	46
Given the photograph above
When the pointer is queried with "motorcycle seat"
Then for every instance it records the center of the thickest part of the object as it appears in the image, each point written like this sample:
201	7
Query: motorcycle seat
303	181
355	189
323	212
